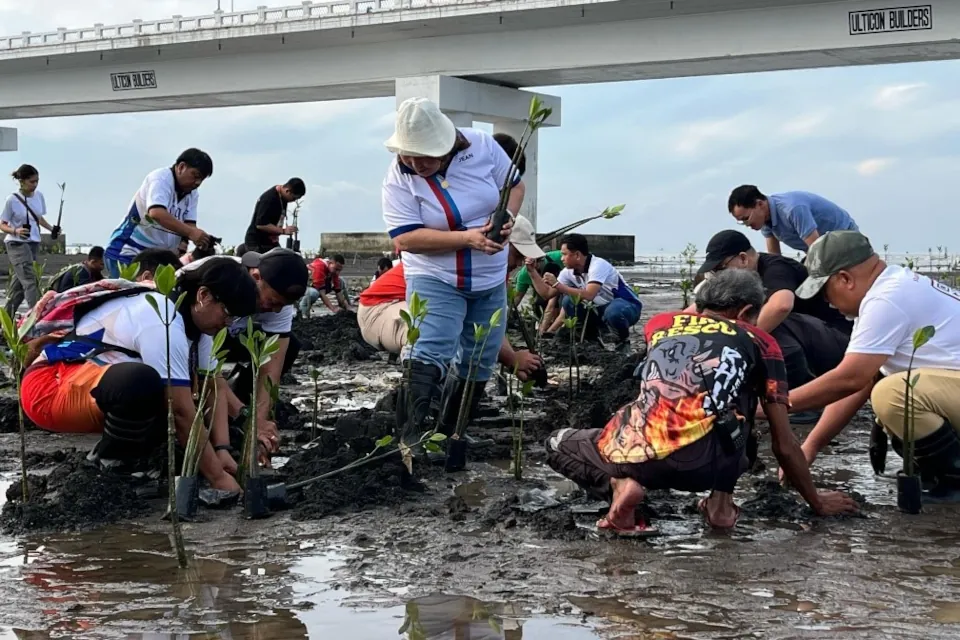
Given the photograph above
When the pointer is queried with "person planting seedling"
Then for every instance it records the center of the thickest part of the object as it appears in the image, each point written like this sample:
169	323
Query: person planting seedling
889	303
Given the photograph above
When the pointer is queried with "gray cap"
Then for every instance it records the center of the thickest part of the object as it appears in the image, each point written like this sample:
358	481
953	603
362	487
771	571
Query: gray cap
830	254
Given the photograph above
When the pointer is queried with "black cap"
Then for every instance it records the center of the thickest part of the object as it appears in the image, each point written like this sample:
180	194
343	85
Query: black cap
282	269
723	245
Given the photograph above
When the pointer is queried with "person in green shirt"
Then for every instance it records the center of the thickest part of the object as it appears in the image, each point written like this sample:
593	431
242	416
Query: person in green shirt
550	264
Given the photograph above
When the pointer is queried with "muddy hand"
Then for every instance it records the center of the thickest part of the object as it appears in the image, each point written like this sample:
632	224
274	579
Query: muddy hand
226	482
269	435
527	363
475	239
229	464
836	502
200	238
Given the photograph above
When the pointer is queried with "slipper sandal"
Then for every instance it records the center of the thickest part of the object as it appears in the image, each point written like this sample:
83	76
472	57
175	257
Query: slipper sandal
639	530
702	508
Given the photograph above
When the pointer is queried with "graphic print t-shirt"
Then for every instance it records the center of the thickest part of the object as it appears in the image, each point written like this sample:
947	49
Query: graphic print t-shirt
697	368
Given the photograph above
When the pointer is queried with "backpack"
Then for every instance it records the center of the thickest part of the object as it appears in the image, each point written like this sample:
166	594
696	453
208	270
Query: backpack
56	316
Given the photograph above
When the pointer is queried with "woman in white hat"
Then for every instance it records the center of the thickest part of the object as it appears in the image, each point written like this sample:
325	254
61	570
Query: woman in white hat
438	196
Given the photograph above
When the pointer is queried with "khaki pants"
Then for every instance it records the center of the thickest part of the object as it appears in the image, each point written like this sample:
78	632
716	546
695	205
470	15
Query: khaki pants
382	327
936	398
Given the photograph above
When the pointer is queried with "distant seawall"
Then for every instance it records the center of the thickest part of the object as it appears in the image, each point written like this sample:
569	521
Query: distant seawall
368	245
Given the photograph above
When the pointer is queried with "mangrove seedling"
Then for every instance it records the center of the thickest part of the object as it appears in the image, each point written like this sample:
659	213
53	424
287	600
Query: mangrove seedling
187	486
130	271
908	482
588	306
456	447
38	270
689	259
18	353
516	405
412	317
537	116
571	325
607	214
166	281
315	376
255	493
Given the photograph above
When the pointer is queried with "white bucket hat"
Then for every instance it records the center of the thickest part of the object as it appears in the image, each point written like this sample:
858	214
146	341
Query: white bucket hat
524	239
422	130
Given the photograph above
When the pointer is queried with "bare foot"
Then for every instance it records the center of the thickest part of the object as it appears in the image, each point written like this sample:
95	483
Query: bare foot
627	494
720	511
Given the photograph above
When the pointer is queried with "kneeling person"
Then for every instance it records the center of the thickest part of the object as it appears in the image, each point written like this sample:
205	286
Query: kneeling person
701	380
109	373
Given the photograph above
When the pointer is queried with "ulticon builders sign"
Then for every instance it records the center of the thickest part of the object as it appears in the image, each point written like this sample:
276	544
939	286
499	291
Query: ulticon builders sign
892	20
132	80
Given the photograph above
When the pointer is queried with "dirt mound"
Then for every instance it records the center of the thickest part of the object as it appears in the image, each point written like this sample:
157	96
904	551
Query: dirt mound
333	338
8	415
74	496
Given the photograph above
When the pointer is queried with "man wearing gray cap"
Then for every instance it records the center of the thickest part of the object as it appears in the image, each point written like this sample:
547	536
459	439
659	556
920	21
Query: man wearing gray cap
889	303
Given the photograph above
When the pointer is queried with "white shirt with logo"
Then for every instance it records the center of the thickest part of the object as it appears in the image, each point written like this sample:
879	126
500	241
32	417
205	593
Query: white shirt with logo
602	272
132	323
16	215
900	302
137	231
463	199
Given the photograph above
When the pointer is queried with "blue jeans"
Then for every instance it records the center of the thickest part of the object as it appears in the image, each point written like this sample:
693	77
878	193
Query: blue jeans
308	299
448	326
618	314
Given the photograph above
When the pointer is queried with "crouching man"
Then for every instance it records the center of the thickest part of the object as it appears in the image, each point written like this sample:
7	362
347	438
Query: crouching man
890	303
703	374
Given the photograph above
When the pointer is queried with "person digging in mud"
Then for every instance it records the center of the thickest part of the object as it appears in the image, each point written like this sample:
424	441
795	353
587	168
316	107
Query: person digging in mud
163	211
324	280
701	380
438	196
889	303
109	373
281	279
594	281
812	336
380	304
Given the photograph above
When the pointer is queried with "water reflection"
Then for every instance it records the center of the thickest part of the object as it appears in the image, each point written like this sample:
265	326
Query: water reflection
442	617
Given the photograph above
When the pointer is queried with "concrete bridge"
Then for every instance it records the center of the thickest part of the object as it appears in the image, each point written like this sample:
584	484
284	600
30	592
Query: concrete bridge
471	56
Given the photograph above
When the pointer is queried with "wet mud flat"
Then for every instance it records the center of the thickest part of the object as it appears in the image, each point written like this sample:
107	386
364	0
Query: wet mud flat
783	573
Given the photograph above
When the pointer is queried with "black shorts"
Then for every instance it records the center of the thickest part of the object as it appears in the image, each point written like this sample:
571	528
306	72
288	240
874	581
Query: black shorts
699	466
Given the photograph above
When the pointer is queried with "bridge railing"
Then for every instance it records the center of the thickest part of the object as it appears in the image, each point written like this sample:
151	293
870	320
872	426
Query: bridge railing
219	20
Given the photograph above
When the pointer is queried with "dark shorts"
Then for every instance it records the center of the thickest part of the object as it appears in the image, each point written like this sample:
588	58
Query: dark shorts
699	466
810	347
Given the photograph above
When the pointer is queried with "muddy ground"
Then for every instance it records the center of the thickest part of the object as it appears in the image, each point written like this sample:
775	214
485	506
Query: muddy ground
782	574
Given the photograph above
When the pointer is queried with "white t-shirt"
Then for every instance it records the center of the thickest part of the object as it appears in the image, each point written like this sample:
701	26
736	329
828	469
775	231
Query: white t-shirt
599	270
132	323
899	303
463	199
138	232
16	215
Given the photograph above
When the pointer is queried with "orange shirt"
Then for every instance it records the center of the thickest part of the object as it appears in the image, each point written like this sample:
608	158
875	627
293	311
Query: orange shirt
390	287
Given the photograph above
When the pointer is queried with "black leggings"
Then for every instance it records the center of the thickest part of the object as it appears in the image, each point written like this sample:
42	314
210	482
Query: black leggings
131	391
238	353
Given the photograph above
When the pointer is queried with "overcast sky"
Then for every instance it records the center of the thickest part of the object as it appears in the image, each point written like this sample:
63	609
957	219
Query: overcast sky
883	142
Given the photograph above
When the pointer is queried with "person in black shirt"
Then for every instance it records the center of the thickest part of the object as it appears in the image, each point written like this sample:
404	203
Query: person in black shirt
90	270
812	335
264	231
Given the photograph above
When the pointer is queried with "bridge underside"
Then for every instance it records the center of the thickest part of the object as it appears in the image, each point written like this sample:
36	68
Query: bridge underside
512	44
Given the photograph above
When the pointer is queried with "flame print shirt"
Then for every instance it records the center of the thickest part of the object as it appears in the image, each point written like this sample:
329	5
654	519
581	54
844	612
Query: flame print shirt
697	368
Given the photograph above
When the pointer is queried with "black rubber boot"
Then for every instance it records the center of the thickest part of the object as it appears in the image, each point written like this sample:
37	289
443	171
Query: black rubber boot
124	444
456	448
938	456
418	401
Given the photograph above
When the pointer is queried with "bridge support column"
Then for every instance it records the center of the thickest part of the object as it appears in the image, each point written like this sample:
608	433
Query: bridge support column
8	139
466	102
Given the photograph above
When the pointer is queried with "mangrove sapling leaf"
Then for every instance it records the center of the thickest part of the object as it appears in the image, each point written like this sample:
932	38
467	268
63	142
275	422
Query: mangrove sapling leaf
18	351
920	337
385	441
165	280
38	270
199	433
130	271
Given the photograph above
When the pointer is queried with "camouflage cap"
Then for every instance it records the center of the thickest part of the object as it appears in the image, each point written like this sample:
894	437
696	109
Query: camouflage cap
831	253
